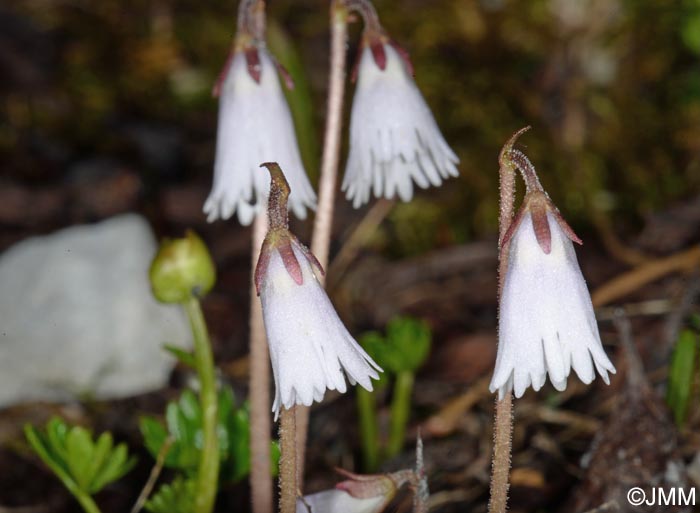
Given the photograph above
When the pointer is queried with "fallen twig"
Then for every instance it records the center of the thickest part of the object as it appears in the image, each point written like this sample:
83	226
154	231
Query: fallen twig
446	420
153	476
628	282
358	238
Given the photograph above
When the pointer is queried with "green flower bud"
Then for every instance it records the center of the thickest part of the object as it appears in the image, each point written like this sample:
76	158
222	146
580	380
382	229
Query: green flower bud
181	269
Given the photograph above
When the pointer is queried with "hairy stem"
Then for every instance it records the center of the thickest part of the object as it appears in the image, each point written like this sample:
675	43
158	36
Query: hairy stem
503	420
259	384
502	436
369	431
321	238
368	13
208	471
288	464
400	408
251	18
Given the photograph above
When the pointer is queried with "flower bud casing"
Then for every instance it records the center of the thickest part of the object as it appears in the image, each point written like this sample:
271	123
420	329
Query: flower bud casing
181	269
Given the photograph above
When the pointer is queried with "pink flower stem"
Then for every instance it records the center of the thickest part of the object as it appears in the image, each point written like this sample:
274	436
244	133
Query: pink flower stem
321	239
503	421
259	382
331	142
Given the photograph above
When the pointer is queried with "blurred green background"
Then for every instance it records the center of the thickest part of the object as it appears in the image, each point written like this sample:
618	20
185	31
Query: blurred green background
611	88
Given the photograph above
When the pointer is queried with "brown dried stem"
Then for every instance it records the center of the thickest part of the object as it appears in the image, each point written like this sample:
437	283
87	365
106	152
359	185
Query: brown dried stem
359	237
152	477
686	261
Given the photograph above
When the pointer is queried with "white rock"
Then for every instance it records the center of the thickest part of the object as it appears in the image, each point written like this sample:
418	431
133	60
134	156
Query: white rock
77	317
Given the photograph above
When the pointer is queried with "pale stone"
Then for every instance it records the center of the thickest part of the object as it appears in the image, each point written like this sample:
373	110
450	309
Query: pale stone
77	317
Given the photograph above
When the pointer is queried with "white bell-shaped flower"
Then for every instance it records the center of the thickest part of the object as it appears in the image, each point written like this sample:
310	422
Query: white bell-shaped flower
255	126
358	494
547	324
394	139
310	348
332	501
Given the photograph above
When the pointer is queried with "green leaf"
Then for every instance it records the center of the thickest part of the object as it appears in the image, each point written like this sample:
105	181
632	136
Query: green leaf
239	434
275	455
102	449
184	425
376	346
405	348
410	341
183	430
154	436
100	456
182	455
680	378
176	497
42	446
118	463
79	455
83	465
183	356
189	406
56	432
226	411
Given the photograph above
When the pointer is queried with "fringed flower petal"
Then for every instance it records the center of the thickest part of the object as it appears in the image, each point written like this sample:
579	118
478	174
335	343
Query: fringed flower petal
310	348
547	325
255	126
394	139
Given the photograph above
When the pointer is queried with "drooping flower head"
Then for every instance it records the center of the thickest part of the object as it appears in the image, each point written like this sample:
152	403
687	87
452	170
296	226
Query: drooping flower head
394	139
310	348
369	493
546	324
255	126
358	494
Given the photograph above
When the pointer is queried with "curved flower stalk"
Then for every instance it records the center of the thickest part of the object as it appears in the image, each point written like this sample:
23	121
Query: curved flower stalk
310	348
546	323
250	96
394	139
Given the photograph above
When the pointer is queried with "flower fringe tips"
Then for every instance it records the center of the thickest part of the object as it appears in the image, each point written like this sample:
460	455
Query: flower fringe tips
546	323
310	348
255	125
394	140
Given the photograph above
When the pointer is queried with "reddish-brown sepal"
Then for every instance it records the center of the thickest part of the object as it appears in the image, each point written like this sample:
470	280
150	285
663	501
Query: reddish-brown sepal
252	59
